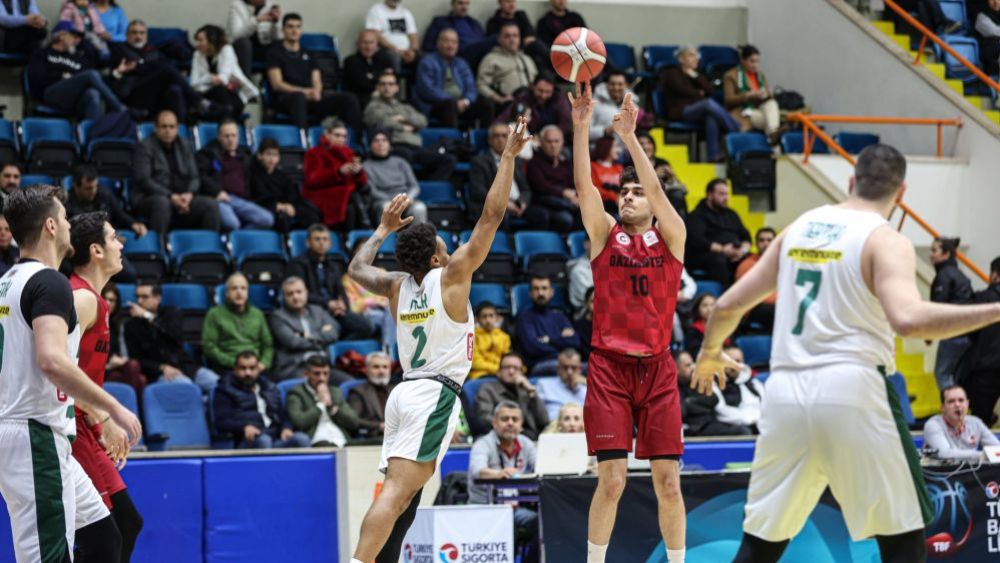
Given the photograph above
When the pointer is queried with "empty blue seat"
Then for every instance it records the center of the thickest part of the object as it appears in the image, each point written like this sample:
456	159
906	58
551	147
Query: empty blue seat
388	245
521	298
126	294
363	347
480	139
318	42
968	48
501	243
161	35
739	145
430	136
621	56
32	179
541	253
185	296
346	386
287	136
250	243
147	128
495	293
718	58
146	254
261	296
124	394
205	133
471	387
9	151
285	386
712	288
854	143
954	10
183	243
112	156
49	145
756	350
576	240
793	142
175	413
297	243
658	56
438	192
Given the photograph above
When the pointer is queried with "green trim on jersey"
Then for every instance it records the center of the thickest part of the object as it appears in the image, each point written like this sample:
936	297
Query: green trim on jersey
909	450
437	425
49	509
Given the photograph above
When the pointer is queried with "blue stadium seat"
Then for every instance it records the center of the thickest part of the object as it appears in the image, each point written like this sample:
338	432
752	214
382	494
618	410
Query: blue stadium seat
363	347
716	59
198	256
146	255
541	252
126	294
33	105
185	296
793	142
261	296
899	386
124	394
205	133
521	297
954	10
49	145
575	241
658	56
499	265
471	387
450	239
260	255
285	386
318	42
112	156
480	139
968	48
495	293
444	208
346	386
147	128
712	288
756	350
501	242
287	136
8	142
622	57
430	136
854	143
161	35
174	415
297	244
388	245
738	145
32	179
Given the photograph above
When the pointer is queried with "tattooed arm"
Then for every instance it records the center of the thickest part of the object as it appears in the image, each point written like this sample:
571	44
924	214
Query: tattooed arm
377	280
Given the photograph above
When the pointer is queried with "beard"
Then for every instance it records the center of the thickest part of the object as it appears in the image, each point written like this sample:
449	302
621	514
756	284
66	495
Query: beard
380	381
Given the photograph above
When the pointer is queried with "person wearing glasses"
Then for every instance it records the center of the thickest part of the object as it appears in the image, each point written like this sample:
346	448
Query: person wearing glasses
512	385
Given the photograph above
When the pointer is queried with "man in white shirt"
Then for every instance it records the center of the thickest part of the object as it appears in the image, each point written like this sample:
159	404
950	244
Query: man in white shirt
954	433
569	387
396	28
252	26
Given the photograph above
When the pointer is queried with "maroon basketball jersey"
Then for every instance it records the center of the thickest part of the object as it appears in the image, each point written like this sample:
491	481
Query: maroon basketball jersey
96	341
636	280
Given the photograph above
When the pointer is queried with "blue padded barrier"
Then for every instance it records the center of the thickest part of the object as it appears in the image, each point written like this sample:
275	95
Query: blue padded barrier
168	495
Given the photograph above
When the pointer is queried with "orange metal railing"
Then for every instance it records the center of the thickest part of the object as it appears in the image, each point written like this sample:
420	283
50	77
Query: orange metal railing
811	131
928	34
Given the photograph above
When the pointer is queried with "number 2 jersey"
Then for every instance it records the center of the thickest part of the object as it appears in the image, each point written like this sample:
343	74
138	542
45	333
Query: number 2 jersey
825	314
636	280
430	343
27	291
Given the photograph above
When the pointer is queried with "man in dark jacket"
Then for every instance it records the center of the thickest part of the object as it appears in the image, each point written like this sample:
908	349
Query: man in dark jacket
557	20
544	331
512	385
507	13
983	359
153	337
362	69
323	279
167	186
543	103
483	168
300	329
273	190
85	196
717	239
950	285
248	407
369	398
224	167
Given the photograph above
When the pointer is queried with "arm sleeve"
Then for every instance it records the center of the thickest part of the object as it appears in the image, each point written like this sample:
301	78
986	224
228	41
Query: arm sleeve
485	78
287	338
346	417
143	173
48	293
465	78
303	414
206	169
266	342
986	27
210	340
697	239
688	286
962	292
479	458
934	437
987	437
561	342
357	404
119	217
429	81
227	419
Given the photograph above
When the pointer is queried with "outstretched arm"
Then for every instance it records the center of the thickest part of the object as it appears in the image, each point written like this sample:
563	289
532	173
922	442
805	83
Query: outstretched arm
377	280
595	220
669	222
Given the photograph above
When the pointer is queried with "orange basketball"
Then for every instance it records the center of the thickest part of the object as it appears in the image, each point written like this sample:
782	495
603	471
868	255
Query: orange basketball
578	54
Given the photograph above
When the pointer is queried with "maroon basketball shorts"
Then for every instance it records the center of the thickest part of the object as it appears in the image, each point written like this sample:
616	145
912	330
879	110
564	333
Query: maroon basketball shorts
96	463
626	392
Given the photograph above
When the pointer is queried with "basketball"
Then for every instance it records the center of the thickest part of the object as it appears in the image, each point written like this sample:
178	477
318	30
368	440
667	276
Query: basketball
578	54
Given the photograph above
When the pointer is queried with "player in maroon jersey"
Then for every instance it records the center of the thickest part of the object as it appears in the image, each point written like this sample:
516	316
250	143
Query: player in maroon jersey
100	445
632	378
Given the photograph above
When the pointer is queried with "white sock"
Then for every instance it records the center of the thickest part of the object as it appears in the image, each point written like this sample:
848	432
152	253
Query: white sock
356	561
673	555
596	553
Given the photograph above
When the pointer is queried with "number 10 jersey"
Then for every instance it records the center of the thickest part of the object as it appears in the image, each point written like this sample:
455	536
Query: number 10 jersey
825	314
430	342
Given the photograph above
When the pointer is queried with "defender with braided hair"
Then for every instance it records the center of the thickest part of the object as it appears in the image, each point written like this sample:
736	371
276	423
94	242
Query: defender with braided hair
434	328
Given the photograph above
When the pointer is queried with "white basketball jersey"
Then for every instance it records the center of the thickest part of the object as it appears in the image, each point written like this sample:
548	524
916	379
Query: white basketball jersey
430	343
825	314
25	392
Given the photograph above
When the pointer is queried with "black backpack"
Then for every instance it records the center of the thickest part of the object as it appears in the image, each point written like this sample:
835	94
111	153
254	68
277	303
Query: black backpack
789	99
454	489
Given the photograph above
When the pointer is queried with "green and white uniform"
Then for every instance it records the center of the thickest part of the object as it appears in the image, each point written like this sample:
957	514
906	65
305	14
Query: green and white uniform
48	494
421	414
830	417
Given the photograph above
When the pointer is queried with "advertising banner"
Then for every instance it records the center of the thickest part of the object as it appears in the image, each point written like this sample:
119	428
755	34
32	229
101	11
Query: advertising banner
461	534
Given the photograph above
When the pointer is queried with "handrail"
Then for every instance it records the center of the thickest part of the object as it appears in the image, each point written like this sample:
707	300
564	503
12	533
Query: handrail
809	127
928	34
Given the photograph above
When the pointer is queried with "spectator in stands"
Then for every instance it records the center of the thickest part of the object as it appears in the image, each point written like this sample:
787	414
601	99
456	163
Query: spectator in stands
983	362
120	367
446	88
298	85
570	386
472	42
61	77
568	420
216	72
763	314
988	33
482	170
113	18
274	190
396	29
388	176
557	20
930	14
955	434
403	123
301	330
717	239
224	165
542	330
491	341
694	332
507	13
550	175
503	453
248	407
318	409
541	106
332	174
584	322
950	285
362	69
168	189
676	191
323	280
581	278
145	78
375	308
9	253
739	403
748	97
23	26
369	398
233	327
506	69
85	19
687	291
697	410
608	97
512	385
152	334
606	171
10	181
253	26
85	196
688	97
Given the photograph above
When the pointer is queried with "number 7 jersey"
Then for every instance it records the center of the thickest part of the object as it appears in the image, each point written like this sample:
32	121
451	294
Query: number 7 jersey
430	343
825	314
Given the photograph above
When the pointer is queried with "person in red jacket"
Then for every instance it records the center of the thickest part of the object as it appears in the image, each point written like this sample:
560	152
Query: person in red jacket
332	173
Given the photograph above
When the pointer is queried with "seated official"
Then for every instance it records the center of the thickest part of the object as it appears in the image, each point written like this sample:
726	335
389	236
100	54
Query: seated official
955	434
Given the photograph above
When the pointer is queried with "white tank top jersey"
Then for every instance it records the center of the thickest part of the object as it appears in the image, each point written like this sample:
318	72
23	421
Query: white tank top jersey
430	343
25	392
825	314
